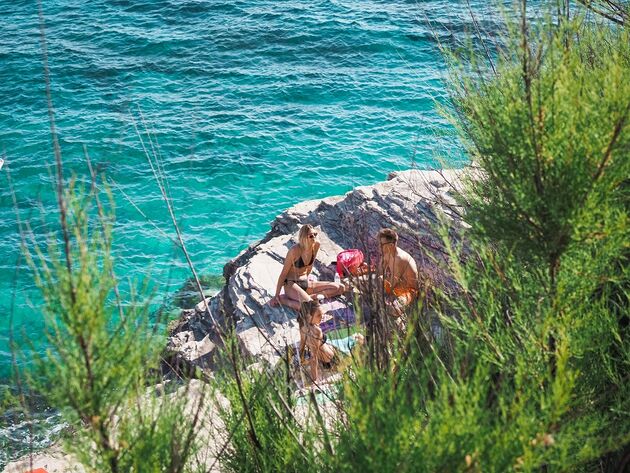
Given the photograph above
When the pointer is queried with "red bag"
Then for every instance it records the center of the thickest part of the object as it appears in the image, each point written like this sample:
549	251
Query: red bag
348	261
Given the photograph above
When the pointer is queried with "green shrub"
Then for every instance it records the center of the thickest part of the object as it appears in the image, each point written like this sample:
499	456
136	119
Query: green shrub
531	371
103	354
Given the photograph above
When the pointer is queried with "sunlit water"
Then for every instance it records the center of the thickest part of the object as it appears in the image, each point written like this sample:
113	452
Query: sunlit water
255	105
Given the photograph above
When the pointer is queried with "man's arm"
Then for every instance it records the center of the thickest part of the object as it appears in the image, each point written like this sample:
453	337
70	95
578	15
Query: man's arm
411	273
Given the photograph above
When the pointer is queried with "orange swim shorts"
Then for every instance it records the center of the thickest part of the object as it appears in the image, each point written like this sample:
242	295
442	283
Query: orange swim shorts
405	295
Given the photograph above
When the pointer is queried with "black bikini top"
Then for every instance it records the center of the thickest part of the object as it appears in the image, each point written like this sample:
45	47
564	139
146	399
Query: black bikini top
300	262
324	338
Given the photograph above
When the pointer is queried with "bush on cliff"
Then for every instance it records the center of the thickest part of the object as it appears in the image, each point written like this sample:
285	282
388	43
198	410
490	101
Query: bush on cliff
103	354
531	374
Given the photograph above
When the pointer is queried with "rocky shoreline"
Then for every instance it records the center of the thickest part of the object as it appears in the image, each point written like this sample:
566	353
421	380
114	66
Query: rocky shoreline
410	201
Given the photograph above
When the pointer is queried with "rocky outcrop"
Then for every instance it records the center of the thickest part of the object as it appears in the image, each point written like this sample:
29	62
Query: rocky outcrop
411	201
51	460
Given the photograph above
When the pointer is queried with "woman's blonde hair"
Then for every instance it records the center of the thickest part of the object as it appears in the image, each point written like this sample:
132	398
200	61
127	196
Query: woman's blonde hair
303	235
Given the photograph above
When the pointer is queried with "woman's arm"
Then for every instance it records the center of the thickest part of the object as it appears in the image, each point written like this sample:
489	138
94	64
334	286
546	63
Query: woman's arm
288	264
302	345
314	342
314	363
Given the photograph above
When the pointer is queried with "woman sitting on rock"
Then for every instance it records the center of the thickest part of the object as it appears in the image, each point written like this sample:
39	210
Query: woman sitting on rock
298	264
320	348
312	337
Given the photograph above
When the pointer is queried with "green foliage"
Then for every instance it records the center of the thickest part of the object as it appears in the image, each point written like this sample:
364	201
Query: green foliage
100	354
617	11
551	136
530	369
550	132
155	435
269	433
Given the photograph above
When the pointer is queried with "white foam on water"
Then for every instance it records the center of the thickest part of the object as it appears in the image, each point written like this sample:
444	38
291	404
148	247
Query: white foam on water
28	434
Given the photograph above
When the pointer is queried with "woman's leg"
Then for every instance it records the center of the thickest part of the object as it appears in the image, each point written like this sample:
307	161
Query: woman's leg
326	288
288	302
294	296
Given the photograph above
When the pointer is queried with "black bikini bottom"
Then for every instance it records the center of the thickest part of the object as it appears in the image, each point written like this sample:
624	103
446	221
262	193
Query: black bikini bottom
302	283
334	361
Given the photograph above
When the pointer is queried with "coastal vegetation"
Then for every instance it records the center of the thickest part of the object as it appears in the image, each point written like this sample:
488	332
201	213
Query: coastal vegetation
100	368
531	370
524	368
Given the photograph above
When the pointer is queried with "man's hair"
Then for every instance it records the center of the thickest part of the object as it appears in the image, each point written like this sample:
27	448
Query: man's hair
388	234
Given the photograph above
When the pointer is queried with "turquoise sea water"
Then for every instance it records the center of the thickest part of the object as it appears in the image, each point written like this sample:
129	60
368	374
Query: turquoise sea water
256	105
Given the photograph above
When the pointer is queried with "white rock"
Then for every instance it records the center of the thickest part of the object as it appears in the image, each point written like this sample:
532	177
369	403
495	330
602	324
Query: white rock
53	460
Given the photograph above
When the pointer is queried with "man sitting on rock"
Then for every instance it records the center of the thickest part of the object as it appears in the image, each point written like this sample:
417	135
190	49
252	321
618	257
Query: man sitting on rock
399	272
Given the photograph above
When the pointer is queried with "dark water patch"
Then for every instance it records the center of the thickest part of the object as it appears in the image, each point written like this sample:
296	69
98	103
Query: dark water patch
188	296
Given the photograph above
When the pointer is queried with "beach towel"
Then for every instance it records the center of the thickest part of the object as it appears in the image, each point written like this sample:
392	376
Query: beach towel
338	315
